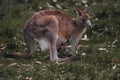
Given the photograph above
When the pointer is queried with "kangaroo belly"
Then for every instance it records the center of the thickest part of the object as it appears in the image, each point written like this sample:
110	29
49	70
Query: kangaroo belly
43	43
60	41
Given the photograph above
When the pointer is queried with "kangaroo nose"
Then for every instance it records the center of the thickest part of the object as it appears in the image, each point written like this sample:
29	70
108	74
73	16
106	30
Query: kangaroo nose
90	26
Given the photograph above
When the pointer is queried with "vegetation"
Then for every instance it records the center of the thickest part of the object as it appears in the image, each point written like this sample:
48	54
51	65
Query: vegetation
97	59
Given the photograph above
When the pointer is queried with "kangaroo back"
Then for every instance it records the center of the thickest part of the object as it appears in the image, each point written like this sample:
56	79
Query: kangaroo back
52	28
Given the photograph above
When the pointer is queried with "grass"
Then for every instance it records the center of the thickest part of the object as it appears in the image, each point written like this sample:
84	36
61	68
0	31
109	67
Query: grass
95	65
102	59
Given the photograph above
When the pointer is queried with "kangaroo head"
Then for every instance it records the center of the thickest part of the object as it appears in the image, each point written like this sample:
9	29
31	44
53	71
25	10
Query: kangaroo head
83	17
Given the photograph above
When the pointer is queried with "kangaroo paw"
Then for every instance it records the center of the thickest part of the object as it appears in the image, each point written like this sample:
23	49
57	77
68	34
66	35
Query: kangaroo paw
73	57
68	59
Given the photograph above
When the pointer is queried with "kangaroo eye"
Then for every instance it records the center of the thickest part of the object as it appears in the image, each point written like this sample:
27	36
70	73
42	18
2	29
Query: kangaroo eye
83	20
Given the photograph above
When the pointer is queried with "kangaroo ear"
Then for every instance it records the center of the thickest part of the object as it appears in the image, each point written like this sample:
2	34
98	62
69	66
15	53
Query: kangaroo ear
87	9
77	11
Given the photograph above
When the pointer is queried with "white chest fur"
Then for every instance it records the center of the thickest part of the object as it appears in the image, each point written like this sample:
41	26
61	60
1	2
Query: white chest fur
83	32
43	43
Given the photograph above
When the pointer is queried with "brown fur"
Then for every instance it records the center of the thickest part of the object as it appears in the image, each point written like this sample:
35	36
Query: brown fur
54	27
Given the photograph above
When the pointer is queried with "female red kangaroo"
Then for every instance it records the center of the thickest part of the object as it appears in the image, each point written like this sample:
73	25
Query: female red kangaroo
51	28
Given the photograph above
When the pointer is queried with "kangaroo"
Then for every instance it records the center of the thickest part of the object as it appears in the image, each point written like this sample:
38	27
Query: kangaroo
51	28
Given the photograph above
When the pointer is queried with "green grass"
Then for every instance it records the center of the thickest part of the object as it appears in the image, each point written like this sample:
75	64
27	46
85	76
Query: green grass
95	65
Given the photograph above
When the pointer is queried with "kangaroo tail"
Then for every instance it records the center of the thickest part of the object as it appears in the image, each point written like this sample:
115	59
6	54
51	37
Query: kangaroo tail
17	55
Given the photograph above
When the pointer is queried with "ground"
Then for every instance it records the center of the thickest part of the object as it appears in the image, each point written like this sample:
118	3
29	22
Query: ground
92	63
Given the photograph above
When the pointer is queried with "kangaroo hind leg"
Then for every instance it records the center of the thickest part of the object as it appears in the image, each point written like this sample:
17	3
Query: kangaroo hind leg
53	51
29	40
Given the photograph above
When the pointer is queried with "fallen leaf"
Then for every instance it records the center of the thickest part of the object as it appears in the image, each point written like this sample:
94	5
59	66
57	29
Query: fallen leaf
38	62
3	47
13	64
17	53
